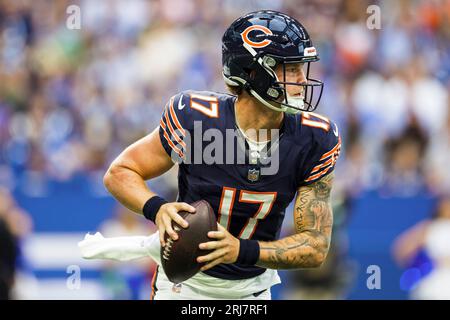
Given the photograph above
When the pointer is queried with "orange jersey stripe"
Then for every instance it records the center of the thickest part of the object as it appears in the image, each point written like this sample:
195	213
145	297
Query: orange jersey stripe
173	132
174	118
318	175
166	136
316	168
329	153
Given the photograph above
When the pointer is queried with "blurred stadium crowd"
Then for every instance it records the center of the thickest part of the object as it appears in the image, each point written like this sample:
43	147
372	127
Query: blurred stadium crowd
71	100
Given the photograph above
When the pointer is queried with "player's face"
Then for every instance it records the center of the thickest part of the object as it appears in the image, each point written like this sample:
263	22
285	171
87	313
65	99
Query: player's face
293	73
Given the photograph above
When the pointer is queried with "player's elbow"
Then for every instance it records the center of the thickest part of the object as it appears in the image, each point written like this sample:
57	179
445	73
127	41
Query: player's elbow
315	260
111	176
320	254
320	258
107	178
317	255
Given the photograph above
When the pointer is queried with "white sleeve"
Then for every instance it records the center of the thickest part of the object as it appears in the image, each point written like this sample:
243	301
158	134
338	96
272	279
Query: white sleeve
120	248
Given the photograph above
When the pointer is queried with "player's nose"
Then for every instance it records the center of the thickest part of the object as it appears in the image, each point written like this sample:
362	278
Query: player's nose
301	78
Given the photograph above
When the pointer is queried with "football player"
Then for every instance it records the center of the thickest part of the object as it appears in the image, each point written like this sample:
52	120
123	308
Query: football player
266	65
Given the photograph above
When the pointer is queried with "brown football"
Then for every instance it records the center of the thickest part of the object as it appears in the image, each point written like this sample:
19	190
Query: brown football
179	258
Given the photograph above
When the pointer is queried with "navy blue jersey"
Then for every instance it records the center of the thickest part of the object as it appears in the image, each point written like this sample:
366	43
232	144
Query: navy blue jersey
248	202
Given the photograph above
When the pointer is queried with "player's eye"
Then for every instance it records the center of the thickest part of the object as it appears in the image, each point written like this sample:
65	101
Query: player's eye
294	67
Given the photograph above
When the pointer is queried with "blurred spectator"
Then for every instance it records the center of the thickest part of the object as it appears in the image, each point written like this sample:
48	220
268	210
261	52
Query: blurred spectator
8	255
433	237
438	158
14	224
18	221
404	161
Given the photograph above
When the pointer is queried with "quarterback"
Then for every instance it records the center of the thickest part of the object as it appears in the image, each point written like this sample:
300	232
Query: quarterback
266	66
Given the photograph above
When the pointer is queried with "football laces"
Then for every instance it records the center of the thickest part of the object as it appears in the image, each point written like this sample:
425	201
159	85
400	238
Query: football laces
168	246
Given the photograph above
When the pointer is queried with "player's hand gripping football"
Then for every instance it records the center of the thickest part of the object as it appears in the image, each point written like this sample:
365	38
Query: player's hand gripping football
226	248
166	214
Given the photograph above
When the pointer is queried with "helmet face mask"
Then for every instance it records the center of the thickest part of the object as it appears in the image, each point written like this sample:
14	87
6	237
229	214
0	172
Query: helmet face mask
255	45
308	100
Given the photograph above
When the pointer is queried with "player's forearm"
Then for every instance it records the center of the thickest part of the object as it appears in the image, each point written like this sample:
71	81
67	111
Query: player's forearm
313	220
127	186
304	250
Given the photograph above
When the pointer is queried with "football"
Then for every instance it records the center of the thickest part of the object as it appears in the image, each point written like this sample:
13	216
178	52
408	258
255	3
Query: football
179	258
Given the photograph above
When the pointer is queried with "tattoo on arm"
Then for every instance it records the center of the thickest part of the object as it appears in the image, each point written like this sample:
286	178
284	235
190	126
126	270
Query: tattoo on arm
313	220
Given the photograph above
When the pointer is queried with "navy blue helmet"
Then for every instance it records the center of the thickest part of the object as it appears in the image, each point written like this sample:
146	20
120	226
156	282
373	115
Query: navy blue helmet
257	43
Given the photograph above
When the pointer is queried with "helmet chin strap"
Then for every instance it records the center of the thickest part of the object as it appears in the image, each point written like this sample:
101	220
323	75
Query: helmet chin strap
294	101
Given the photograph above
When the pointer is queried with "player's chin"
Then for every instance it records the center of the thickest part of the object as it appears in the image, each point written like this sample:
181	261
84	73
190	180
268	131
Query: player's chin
279	102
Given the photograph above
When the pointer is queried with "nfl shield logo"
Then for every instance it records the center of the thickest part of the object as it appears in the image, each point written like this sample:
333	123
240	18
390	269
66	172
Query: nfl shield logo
253	175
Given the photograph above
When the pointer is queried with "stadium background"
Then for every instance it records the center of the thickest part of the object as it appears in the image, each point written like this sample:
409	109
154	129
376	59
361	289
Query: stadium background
71	100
